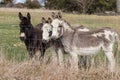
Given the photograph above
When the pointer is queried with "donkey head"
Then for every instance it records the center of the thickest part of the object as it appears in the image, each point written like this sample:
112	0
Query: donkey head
58	15
47	29
57	25
25	26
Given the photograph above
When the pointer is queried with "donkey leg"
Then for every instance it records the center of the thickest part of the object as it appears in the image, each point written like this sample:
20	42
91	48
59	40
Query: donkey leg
111	60
54	55
42	50
83	61
42	56
33	51
42	53
60	56
30	54
74	61
37	54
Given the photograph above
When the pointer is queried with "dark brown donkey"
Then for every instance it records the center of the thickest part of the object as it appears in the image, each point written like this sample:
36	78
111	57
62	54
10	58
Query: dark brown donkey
31	36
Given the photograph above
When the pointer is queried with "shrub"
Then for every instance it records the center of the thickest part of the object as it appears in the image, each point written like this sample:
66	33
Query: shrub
20	5
32	4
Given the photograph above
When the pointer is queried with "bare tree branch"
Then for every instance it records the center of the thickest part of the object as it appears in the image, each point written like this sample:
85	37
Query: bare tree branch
84	4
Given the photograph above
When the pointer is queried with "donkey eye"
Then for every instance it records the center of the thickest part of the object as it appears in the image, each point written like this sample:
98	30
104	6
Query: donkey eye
50	33
49	30
51	26
27	28
60	26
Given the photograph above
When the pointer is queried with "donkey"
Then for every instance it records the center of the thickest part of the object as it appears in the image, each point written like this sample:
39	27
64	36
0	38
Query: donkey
55	45
31	36
84	43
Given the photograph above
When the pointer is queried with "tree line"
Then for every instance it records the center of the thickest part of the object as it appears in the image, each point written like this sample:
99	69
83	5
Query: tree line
79	6
27	4
82	6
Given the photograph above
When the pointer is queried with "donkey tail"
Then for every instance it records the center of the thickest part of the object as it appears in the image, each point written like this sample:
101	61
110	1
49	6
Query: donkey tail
117	45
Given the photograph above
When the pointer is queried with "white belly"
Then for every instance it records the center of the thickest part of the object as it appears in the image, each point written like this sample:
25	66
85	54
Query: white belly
86	51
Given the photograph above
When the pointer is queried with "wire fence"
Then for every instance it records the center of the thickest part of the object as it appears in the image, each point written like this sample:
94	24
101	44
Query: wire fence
12	45
16	50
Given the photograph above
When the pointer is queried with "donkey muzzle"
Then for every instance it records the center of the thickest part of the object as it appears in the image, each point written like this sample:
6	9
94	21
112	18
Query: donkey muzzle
44	41
22	38
54	38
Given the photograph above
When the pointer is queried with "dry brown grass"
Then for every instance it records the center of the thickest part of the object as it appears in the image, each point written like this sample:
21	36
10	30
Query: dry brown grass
35	70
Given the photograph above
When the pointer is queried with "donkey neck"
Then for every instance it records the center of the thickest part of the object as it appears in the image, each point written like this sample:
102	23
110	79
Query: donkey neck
31	25
68	31
31	31
67	27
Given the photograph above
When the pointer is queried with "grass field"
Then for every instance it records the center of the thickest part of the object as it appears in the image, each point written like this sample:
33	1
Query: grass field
13	60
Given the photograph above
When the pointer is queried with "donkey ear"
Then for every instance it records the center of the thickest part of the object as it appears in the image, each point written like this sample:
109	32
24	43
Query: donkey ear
20	16
53	15
43	20
59	15
28	16
49	20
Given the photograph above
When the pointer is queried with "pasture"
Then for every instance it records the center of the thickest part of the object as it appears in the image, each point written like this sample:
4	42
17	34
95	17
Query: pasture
14	64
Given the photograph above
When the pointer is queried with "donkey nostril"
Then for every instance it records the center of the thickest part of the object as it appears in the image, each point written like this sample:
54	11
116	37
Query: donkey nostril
22	38
53	38
44	41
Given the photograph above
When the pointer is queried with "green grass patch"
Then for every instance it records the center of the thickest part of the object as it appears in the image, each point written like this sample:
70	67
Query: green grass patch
9	28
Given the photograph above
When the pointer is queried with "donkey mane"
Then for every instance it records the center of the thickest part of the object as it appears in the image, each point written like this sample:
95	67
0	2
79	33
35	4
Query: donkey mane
73	28
88	32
